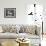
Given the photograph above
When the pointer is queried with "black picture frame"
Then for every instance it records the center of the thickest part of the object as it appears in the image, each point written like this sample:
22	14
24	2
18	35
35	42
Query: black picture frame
9	12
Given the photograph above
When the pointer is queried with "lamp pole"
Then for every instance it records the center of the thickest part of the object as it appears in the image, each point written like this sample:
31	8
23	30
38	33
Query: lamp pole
42	25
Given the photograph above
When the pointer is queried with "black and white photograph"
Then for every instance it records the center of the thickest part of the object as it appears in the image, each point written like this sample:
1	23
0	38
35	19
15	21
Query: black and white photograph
9	12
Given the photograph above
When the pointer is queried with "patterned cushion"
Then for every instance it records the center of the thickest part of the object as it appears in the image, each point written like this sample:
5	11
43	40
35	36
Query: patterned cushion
13	29
9	28
30	29
6	28
38	30
21	29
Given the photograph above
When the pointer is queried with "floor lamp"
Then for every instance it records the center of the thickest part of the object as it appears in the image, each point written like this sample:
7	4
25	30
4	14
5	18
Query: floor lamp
42	26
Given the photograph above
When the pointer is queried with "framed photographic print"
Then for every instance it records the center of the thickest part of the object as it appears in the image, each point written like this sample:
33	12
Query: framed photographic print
9	12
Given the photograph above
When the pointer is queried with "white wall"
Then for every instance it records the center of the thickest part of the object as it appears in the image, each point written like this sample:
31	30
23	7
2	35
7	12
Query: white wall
20	10
20	6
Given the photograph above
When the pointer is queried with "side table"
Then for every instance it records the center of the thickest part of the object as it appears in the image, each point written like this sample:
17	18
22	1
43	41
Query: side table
26	43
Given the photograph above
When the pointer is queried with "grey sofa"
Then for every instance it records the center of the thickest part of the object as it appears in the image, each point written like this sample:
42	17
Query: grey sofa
19	30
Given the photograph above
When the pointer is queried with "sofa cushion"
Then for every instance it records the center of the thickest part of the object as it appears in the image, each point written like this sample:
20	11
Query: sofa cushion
37	30
21	29
9	28
30	29
1	30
